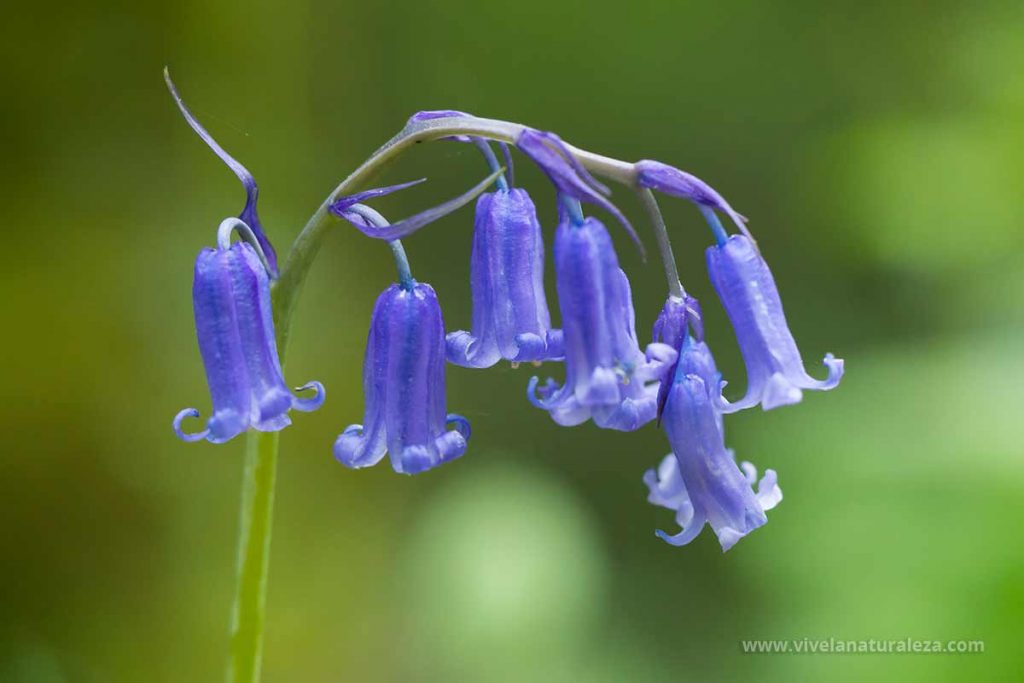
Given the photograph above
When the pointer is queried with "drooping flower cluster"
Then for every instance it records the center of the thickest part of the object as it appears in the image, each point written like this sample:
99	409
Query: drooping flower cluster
609	378
701	480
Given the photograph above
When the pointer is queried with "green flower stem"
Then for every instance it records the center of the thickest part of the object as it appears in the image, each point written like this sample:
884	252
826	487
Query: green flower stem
249	611
668	259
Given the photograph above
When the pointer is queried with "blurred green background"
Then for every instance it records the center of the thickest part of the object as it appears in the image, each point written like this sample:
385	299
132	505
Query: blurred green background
879	152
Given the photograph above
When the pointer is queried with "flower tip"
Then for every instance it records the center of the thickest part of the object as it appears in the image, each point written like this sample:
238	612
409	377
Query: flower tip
350	449
460	424
310	404
185	436
727	407
769	494
836	368
531	393
677	540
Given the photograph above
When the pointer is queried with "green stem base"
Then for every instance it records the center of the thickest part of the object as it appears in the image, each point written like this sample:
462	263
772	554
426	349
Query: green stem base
248	614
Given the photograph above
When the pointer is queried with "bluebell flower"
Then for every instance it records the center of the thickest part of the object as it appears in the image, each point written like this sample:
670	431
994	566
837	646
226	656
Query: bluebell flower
235	328
404	388
775	370
249	215
607	376
700	479
510	310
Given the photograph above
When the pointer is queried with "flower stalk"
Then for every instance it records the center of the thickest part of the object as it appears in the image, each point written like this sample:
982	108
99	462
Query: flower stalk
248	613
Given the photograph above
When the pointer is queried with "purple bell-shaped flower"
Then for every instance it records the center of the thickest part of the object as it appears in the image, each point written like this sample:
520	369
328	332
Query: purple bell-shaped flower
510	310
607	376
235	328
775	370
700	479
404	388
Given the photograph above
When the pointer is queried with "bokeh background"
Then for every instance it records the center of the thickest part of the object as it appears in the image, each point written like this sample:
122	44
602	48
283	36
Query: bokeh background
879	151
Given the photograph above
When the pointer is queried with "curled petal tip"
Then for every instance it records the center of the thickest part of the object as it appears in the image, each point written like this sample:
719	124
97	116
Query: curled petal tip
451	445
768	492
680	539
184	436
552	396
836	367
726	407
313	402
749	472
350	448
460	424
687	534
531	393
